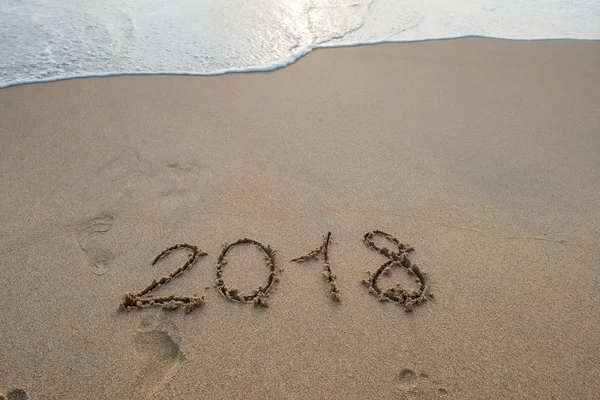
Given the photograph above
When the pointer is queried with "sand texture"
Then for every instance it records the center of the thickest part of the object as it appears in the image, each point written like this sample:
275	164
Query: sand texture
480	158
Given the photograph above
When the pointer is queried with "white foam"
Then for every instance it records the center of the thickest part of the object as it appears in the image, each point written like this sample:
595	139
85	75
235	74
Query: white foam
45	40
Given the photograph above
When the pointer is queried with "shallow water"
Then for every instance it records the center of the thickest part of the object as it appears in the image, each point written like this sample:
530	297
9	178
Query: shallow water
54	39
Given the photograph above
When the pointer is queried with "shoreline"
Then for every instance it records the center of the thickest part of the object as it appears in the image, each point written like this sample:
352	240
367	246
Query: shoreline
279	65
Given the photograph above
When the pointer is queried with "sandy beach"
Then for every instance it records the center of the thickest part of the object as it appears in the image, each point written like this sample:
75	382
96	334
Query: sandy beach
481	154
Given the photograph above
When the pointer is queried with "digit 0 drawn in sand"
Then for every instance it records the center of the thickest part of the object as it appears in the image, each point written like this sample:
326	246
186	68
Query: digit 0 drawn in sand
92	241
403	297
172	302
329	276
259	295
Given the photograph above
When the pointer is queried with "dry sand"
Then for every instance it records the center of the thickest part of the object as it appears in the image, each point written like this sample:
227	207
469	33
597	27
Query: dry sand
482	154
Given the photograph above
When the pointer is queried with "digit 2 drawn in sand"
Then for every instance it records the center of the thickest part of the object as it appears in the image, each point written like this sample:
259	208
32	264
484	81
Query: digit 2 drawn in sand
258	296
403	297
329	276
189	303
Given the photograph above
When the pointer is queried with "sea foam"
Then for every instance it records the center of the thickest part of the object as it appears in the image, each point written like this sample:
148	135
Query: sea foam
44	40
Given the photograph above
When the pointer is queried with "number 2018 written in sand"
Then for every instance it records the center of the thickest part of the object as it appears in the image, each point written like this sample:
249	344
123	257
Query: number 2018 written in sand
400	259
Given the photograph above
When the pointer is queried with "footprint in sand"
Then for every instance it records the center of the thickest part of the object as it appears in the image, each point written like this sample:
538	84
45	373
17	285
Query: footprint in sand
92	240
16	394
166	177
411	385
158	354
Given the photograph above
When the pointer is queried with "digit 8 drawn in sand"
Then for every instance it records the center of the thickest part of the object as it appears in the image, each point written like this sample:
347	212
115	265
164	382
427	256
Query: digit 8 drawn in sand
258	296
403	297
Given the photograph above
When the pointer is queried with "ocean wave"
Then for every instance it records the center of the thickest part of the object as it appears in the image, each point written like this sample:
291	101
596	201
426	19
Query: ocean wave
45	40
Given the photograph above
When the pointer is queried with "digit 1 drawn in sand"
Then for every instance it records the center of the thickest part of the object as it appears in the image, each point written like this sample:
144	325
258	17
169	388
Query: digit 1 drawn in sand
189	303
327	273
258	296
403	297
